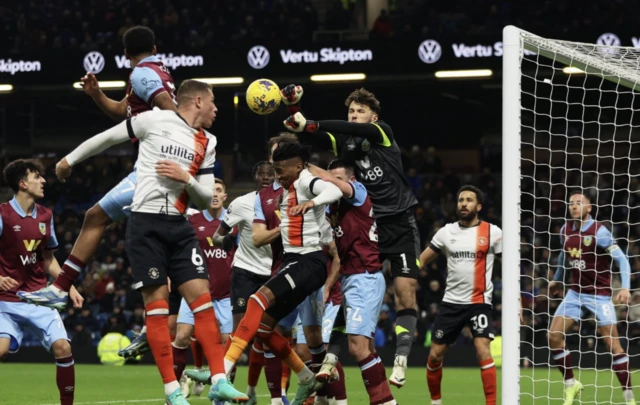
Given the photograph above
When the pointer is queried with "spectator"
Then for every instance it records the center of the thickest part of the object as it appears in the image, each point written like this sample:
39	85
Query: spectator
382	27
81	337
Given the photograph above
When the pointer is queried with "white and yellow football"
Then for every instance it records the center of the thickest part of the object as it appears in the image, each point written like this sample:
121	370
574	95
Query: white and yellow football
263	96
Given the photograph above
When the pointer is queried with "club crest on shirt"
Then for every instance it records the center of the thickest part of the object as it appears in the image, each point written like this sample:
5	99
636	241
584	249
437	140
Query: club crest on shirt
482	241
43	228
587	240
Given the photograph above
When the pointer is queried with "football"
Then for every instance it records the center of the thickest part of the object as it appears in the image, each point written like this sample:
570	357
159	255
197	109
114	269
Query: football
263	96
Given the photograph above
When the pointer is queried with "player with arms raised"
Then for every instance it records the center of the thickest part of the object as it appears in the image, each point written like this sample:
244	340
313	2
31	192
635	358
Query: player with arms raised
174	150
471	246
369	145
27	242
150	85
219	262
587	248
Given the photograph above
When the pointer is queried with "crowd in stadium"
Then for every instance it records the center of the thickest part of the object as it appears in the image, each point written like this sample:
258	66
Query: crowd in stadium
66	25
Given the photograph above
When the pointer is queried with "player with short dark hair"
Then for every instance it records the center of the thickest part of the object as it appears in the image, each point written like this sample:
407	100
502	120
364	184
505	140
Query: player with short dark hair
587	249
172	170
303	272
363	284
150	85
27	242
471	246
369	144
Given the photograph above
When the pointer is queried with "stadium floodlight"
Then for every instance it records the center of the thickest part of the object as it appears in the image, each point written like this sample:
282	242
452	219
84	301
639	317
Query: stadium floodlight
562	134
339	77
221	80
105	84
6	88
570	70
459	74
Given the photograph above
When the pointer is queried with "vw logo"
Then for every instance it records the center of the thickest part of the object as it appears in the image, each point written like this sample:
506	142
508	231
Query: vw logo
258	57
93	62
608	39
429	51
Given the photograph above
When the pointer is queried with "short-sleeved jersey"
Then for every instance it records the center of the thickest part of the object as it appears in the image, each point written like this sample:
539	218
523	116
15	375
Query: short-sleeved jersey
248	257
381	172
267	211
23	239
355	232
470	255
587	251
148	79
165	135
218	261
301	233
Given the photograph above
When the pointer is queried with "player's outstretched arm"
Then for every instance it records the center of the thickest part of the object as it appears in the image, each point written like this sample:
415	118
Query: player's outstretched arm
345	187
325	193
378	133
116	110
93	146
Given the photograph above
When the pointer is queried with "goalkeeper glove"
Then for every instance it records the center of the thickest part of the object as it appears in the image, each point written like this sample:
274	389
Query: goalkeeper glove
298	123
291	94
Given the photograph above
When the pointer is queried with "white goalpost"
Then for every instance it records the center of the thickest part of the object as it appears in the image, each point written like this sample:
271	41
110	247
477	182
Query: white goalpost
571	123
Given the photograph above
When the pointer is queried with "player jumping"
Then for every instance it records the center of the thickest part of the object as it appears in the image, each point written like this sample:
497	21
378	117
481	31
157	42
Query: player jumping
470	246
369	144
27	242
589	246
150	85
160	241
219	262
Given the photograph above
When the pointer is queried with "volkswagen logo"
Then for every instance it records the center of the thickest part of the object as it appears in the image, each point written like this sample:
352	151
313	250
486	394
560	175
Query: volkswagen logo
429	51
608	39
258	57
93	62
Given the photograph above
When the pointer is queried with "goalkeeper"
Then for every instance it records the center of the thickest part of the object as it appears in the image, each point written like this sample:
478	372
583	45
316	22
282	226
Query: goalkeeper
588	247
370	146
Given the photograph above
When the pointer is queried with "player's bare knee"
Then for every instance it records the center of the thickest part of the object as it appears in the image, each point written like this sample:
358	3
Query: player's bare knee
436	353
61	348
183	335
313	334
358	348
483	352
556	339
96	217
4	353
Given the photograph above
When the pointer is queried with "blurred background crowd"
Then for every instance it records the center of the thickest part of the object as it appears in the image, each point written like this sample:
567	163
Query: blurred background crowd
99	24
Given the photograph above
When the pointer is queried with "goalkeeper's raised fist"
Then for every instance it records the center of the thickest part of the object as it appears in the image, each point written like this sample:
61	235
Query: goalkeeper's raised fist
298	123
291	94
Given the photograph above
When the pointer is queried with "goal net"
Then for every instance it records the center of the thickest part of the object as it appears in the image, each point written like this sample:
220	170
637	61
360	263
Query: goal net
571	123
